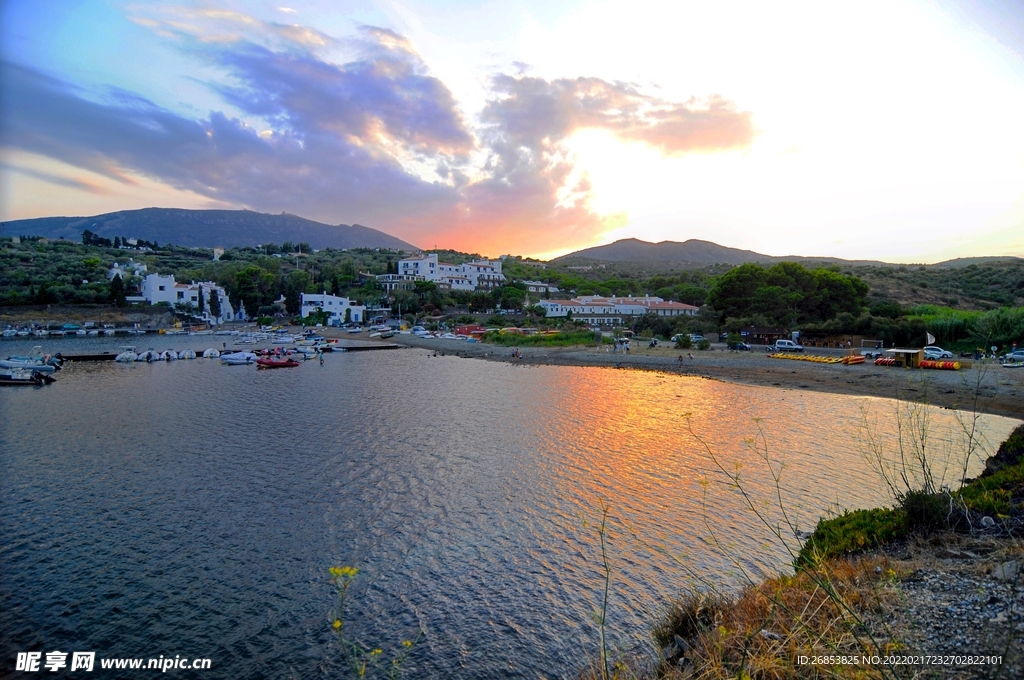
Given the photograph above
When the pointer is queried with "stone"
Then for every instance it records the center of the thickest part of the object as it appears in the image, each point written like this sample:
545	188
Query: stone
1007	571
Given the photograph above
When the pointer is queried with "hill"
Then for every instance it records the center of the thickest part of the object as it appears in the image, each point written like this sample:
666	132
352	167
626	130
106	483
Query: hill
693	253
207	229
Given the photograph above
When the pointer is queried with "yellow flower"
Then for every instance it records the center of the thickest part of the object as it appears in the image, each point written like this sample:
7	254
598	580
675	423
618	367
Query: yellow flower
337	624
407	643
377	652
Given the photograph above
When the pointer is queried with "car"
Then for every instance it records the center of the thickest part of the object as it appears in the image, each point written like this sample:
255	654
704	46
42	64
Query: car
934	353
1015	355
696	337
740	346
788	346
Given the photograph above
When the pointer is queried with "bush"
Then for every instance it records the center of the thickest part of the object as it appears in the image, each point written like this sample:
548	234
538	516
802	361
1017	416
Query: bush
683	341
925	511
851	532
704	344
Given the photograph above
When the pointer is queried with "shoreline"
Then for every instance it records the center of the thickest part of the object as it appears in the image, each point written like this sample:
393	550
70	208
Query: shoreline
986	388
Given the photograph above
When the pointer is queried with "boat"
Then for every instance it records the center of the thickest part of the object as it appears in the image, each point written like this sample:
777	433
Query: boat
238	358
211	353
150	355
168	355
36	361
187	354
128	355
267	362
387	334
10	333
24	376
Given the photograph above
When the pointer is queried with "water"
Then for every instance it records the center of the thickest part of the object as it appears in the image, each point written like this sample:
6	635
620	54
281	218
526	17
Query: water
192	508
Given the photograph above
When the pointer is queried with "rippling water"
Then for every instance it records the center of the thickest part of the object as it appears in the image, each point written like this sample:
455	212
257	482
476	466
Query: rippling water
192	508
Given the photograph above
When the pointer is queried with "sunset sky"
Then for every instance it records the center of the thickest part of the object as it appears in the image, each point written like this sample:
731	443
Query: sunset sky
889	130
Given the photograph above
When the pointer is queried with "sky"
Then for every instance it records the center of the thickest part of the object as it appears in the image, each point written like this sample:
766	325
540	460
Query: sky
887	130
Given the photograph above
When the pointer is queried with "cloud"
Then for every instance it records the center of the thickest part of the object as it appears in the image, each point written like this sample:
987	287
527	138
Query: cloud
375	139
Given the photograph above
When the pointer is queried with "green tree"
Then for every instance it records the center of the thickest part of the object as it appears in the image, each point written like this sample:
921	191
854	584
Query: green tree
295	284
214	304
202	301
117	292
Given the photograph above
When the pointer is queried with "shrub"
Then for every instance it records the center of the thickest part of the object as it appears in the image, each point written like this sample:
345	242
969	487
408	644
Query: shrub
851	532
704	344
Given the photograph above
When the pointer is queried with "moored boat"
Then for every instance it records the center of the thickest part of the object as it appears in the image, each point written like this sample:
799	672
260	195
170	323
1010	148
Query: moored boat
238	358
268	362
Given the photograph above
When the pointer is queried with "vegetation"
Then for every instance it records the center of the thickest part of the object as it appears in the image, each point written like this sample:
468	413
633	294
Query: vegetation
561	339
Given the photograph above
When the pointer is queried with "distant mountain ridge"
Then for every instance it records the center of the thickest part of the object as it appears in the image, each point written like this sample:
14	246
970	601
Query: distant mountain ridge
208	229
699	253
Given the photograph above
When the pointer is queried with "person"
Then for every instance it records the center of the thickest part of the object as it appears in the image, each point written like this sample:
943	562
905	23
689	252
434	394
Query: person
680	359
689	354
320	354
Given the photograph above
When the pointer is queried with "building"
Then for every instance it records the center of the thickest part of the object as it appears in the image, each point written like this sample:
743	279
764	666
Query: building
390	282
478	274
612	311
130	268
540	287
339	309
157	289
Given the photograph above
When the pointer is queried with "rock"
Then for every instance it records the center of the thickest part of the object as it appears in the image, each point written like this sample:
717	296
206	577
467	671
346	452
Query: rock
669	652
769	635
1007	571
681	643
987	521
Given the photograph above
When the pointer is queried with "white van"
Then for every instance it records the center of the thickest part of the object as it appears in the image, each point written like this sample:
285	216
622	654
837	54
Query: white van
788	346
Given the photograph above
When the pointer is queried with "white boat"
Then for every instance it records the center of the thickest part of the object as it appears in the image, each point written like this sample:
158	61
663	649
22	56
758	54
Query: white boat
35	361
93	332
187	354
211	353
128	355
10	333
168	355
238	358
149	355
81	331
200	332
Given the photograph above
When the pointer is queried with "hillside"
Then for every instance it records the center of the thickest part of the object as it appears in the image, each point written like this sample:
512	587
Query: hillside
685	254
207	229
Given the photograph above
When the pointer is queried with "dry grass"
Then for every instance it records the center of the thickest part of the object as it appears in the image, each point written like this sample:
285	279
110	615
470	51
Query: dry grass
762	632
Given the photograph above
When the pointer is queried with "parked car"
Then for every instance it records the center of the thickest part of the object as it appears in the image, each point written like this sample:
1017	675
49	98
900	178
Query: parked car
696	337
740	346
1015	355
933	353
788	346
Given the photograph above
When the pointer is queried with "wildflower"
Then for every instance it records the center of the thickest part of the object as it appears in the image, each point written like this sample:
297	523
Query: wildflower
377	652
407	643
337	624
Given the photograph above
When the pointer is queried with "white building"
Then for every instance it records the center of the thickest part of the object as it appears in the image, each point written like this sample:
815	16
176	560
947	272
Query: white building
540	287
611	311
130	268
157	289
467	276
336	307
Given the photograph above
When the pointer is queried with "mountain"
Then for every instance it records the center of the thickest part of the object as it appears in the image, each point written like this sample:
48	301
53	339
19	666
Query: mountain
695	253
207	229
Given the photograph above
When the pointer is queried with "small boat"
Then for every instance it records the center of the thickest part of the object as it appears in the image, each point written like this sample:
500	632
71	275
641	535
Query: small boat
238	358
387	334
128	355
168	355
211	353
150	355
36	361
10	333
24	376
187	354
267	362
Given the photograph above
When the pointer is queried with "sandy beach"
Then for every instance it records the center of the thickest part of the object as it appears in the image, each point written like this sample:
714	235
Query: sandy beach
986	387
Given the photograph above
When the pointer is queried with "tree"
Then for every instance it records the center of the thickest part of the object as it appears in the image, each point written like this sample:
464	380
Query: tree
214	303
117	294
202	302
295	284
117	241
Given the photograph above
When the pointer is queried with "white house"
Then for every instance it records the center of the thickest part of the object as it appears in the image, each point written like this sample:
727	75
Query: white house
130	268
540	287
466	276
611	311
336	308
157	289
